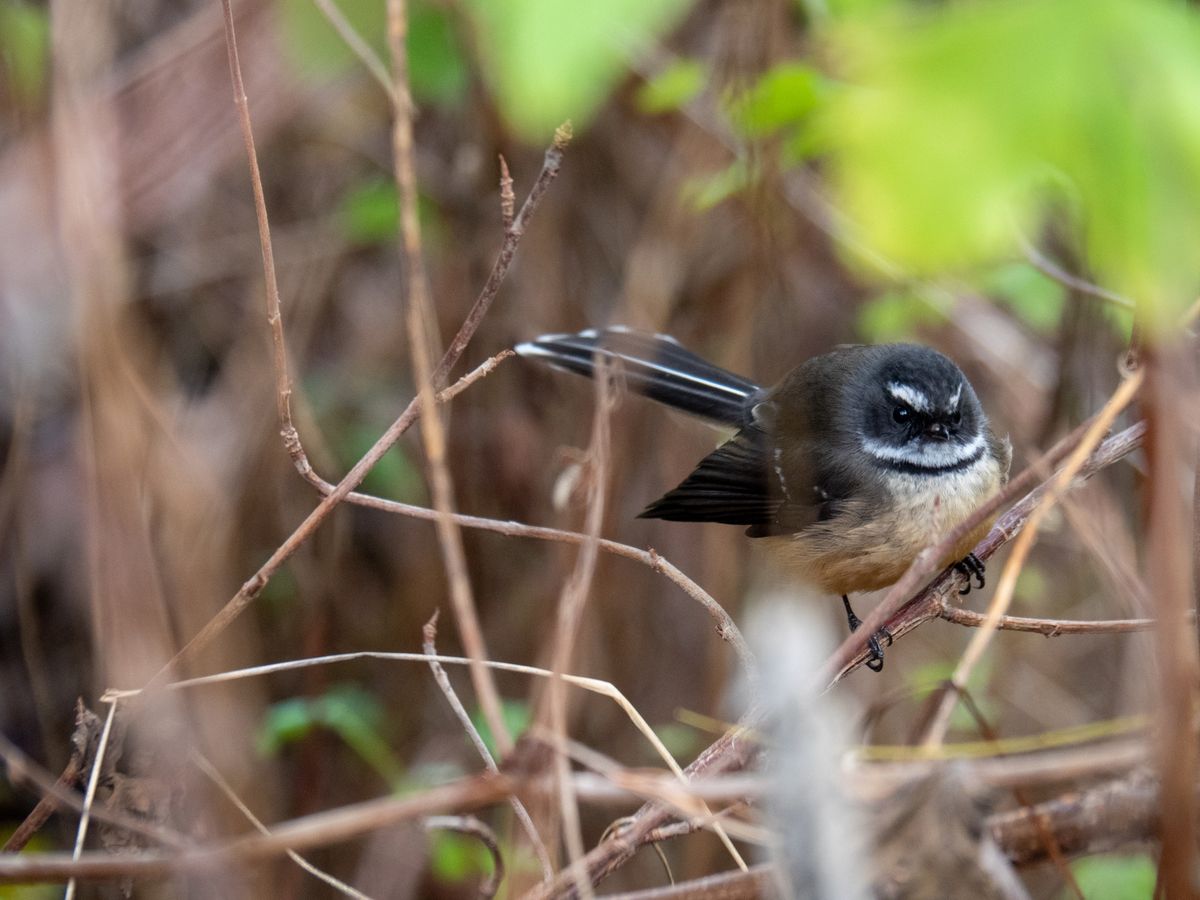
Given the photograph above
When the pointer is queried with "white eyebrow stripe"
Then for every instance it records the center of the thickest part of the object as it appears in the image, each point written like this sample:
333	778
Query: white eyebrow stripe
936	456
906	393
955	397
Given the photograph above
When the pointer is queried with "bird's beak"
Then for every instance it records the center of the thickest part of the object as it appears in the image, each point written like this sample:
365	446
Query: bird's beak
937	431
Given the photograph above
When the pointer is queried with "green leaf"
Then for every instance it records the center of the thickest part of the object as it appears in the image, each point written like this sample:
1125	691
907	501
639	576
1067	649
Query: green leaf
24	48
348	711
968	125
783	98
1114	877
675	86
356	717
548	61
516	715
285	723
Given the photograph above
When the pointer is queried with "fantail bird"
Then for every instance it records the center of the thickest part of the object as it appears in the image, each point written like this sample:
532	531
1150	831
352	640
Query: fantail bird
850	466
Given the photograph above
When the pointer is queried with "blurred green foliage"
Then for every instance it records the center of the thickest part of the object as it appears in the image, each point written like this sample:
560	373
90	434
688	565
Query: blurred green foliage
703	192
396	476
925	679
516	715
781	103
1033	297
24	46
370	212
347	710
548	61
456	857
894	316
961	127
436	64
39	843
1114	877
673	88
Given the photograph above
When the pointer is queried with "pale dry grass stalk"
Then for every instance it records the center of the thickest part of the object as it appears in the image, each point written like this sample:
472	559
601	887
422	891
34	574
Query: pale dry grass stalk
89	796
423	342
570	613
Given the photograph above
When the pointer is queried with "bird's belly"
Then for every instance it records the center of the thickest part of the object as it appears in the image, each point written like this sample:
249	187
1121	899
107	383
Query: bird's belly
857	551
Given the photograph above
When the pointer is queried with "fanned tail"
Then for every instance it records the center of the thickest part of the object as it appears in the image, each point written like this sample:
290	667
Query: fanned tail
653	365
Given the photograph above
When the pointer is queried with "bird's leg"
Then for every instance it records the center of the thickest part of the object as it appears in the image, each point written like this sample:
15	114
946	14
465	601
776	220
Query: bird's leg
875	663
970	565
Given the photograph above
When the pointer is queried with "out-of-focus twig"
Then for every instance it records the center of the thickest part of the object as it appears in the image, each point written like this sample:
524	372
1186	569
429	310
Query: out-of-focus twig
570	614
1171	450
725	625
423	342
1050	268
360	48
429	636
473	827
204	764
83	747
1045	627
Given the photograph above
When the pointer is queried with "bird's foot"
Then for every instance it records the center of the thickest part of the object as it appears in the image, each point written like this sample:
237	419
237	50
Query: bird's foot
971	565
875	662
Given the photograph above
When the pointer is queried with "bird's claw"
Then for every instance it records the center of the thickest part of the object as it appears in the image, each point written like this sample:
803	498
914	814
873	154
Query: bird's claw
971	565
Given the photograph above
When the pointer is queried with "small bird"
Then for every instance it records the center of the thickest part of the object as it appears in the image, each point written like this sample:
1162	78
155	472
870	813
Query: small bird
850	466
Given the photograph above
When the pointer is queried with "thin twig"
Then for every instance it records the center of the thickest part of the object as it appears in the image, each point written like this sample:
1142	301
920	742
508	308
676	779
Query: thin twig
21	768
316	830
89	796
1058	486
422	341
1047	627
473	827
204	764
508	201
1049	267
360	48
429	634
283	381
83	745
725	626
254	585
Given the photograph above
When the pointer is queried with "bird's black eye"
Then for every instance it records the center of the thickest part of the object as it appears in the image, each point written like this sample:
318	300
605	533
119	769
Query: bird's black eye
901	414
956	419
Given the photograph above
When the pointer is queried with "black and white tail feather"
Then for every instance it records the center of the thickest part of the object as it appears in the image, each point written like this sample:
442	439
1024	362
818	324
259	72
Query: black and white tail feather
654	365
732	484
